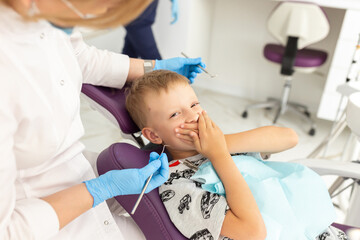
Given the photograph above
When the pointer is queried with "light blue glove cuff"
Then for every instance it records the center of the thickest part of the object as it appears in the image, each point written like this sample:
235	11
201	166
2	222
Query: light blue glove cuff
158	65
98	190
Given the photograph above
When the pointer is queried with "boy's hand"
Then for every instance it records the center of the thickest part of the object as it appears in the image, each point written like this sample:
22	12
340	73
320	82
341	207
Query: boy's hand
183	132
210	141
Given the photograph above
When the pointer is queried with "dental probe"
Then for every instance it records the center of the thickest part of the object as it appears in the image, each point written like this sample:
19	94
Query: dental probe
144	188
211	75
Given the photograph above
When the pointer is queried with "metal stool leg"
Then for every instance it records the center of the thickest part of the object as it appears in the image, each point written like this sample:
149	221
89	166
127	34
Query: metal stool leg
284	99
259	105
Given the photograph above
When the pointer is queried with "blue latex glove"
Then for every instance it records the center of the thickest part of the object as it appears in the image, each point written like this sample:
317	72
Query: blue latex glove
129	181
184	66
174	11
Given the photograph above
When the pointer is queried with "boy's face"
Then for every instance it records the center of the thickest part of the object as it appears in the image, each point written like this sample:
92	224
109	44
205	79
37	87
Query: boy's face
166	111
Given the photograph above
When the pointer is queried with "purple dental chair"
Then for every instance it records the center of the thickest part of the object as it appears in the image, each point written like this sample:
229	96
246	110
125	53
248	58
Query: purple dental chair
151	215
295	25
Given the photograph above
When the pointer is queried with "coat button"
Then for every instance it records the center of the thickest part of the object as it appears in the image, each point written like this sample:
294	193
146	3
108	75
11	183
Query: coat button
42	35
62	82
106	222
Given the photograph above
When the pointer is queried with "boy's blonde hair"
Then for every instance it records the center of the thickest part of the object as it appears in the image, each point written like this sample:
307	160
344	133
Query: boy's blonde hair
124	12
156	81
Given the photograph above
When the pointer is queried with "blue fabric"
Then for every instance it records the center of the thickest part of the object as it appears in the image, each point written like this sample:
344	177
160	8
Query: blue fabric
139	40
174	11
68	31
292	199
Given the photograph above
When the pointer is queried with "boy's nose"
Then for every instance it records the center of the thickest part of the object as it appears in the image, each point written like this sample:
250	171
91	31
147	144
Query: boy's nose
192	116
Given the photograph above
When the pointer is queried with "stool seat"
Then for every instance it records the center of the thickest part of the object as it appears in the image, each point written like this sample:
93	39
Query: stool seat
304	57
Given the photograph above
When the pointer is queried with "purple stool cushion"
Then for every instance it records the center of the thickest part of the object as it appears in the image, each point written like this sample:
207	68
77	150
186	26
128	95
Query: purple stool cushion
304	58
113	100
342	227
151	215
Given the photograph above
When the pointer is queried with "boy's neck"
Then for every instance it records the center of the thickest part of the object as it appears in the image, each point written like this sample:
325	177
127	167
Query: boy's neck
176	154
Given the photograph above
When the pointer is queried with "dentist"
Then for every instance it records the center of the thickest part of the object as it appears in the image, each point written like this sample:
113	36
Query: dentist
48	188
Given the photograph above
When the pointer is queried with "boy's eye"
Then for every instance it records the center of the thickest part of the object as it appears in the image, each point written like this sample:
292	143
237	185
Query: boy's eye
194	104
174	114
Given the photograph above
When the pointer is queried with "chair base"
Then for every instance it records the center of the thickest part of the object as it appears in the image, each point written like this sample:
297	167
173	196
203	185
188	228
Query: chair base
298	109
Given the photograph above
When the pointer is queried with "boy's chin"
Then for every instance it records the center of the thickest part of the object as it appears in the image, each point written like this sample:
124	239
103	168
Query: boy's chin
184	147
187	146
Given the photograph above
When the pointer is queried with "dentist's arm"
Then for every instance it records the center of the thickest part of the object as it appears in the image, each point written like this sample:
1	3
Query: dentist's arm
105	68
72	202
243	220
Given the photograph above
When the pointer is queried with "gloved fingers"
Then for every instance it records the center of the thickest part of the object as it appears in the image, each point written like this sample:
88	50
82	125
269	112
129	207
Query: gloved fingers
174	11
174	16
161	177
197	70
164	168
151	168
192	77
193	61
153	156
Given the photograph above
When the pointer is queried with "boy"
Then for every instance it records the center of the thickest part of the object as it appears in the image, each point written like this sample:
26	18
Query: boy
165	107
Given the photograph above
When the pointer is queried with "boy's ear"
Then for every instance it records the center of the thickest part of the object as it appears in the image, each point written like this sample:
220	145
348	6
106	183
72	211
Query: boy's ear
151	135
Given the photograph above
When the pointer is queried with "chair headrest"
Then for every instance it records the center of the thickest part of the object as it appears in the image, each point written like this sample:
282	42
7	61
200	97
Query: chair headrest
113	100
307	21
151	215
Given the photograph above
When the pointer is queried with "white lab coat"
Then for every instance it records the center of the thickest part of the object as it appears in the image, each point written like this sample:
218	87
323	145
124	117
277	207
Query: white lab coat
41	73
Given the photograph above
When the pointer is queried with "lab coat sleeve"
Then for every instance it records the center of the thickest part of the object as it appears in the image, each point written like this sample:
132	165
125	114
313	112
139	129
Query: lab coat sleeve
100	67
25	218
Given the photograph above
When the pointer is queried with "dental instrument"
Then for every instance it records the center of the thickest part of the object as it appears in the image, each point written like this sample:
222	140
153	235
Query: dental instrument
189	164
211	75
145	186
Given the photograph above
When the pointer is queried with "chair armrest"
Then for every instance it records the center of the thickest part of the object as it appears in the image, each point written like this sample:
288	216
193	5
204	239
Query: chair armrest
329	167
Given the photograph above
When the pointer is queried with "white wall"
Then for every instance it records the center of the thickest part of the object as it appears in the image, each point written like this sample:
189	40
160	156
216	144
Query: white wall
230	35
236	53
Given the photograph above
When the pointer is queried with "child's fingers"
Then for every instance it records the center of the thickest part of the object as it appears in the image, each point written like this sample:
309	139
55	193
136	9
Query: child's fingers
184	137
185	131
213	124
201	122
196	141
190	126
207	120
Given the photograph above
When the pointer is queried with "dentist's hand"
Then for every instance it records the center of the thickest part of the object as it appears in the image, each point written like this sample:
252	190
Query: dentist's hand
174	11
129	181
184	66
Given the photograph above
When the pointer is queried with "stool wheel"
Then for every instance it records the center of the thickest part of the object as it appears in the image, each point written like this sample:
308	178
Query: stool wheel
307	113
312	132
268	108
244	114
